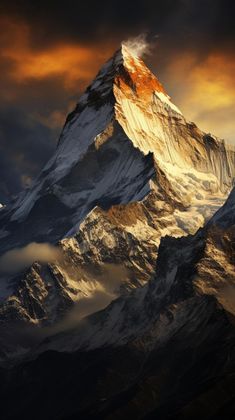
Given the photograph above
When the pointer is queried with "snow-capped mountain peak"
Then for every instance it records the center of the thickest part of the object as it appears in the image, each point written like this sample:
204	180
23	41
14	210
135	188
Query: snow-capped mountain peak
128	72
130	179
128	169
124	126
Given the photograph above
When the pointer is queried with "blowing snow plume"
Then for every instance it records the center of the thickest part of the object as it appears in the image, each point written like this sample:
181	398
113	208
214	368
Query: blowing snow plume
19	258
138	45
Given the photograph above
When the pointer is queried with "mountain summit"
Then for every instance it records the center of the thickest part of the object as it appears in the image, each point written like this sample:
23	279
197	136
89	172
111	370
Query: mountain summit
125	72
124	126
127	170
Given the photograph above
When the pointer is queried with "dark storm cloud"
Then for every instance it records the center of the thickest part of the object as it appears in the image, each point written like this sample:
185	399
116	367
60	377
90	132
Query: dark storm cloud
47	58
82	21
25	146
189	20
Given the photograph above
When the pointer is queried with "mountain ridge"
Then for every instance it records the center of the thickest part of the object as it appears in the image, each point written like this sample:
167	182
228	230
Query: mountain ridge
204	260
173	356
128	160
157	141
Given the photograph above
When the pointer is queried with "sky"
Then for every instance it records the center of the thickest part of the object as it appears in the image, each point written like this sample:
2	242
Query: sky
50	51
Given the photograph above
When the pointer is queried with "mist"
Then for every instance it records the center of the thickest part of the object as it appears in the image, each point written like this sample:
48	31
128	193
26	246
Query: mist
106	288
20	258
102	289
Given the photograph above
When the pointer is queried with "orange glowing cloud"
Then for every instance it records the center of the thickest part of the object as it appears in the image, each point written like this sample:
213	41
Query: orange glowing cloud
72	62
202	87
205	91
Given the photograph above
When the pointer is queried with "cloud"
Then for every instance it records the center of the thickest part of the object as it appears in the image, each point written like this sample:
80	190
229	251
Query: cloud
19	258
71	61
105	288
85	22
25	145
138	45
204	89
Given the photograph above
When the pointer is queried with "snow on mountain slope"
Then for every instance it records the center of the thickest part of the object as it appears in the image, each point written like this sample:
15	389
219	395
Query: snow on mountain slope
128	169
166	350
125	236
189	271
122	117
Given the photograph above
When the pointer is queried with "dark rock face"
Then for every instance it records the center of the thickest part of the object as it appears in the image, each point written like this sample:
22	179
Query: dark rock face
189	377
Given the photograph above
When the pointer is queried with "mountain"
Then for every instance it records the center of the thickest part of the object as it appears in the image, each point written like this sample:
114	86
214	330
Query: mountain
128	170
123	130
166	350
188	269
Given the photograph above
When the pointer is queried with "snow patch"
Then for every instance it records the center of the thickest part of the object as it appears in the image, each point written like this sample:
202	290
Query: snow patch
166	99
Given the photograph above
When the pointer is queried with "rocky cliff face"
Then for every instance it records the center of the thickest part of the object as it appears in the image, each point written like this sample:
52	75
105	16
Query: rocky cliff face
128	170
188	270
